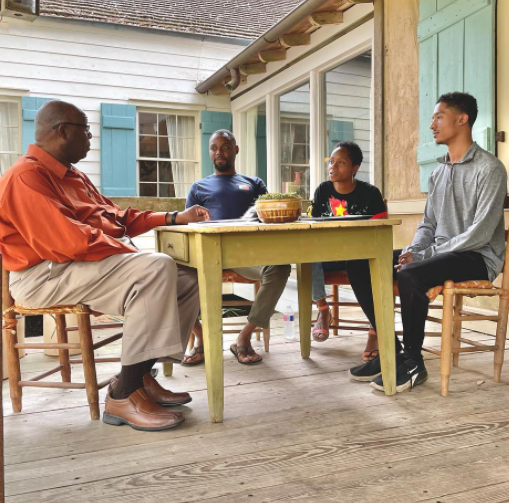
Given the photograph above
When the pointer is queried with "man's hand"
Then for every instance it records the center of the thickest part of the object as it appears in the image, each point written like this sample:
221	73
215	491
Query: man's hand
195	213
404	258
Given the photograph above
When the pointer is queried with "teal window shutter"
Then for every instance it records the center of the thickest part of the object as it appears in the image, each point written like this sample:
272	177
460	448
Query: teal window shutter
210	122
261	147
118	150
29	107
456	53
339	131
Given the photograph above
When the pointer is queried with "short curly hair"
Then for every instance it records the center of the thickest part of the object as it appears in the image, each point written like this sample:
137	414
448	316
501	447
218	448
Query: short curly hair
354	151
461	102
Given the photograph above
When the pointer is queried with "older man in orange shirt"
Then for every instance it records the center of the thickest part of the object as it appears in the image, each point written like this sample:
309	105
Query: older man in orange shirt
65	243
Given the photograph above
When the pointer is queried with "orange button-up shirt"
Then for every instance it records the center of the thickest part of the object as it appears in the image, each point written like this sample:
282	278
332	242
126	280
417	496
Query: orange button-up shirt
50	212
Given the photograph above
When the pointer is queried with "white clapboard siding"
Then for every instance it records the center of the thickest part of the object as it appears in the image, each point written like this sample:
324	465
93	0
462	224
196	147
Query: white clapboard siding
88	64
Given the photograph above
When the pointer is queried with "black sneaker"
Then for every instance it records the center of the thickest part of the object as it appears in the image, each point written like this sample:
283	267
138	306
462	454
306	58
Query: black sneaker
409	373
367	371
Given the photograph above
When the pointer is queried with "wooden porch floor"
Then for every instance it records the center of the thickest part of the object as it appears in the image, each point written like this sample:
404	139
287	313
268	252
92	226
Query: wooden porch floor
294	430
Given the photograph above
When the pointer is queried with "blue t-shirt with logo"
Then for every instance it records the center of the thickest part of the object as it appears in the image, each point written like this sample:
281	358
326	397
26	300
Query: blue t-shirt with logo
226	196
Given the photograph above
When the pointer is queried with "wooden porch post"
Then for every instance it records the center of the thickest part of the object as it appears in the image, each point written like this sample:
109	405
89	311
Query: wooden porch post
378	98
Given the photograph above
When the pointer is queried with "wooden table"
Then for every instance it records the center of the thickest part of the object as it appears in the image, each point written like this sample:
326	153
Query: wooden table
213	247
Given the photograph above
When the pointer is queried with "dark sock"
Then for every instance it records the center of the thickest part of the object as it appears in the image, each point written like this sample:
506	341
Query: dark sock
131	378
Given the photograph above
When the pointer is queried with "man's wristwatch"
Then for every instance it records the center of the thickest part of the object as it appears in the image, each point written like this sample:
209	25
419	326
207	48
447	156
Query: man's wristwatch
174	218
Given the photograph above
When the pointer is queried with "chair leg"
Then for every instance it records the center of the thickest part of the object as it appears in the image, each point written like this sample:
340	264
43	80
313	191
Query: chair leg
256	288
87	353
446	350
456	329
266	339
335	308
63	354
168	369
503	310
13	363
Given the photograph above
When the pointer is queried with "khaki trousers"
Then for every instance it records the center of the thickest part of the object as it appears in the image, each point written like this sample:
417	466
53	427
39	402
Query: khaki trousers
273	281
159	301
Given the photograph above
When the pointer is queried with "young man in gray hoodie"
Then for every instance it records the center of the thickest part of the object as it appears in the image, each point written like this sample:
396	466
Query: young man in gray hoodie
460	238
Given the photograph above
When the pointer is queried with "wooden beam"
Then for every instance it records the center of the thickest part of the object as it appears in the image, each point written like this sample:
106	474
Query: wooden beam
325	18
273	55
253	68
295	39
219	90
378	55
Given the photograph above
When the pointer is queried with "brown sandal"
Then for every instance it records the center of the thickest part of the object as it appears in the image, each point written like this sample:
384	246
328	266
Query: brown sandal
321	331
195	351
248	350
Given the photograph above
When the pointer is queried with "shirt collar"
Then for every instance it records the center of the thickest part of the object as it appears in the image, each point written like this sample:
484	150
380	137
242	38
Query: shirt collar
469	155
47	160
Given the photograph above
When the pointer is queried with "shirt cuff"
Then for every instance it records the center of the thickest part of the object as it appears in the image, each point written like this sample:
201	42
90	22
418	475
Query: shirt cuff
156	219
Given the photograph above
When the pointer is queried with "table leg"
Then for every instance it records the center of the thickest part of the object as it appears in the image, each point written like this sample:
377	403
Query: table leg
209	265
381	283
304	288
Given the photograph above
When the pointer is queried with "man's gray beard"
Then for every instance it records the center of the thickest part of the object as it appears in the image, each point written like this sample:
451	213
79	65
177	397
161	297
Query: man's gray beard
224	168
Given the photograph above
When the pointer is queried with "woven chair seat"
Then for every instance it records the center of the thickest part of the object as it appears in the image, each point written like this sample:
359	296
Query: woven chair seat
434	292
63	309
230	276
336	278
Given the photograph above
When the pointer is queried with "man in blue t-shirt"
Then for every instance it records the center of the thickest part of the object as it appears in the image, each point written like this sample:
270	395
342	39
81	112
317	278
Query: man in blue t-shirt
227	195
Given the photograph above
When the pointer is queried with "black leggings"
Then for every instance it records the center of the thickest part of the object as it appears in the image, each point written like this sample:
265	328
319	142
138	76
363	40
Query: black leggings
414	280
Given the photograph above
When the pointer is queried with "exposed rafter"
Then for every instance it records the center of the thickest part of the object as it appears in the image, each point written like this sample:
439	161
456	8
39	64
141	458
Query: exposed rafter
325	18
295	39
253	68
272	55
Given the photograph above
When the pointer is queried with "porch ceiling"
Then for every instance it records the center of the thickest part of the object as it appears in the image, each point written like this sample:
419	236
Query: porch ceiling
293	30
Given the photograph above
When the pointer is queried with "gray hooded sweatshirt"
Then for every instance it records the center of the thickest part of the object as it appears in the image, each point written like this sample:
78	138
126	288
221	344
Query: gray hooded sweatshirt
465	210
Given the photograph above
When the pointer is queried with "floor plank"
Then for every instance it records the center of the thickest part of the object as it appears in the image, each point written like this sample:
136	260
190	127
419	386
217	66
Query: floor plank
294	430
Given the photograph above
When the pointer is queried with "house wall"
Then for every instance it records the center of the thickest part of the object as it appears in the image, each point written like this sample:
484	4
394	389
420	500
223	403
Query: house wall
89	64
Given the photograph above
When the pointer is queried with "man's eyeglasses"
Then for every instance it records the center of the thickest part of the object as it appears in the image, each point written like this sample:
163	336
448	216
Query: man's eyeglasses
86	126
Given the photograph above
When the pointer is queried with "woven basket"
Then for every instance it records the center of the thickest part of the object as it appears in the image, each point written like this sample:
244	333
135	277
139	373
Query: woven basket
272	211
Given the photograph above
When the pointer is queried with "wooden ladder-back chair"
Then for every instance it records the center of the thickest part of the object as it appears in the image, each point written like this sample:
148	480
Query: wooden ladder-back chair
230	276
453	343
86	345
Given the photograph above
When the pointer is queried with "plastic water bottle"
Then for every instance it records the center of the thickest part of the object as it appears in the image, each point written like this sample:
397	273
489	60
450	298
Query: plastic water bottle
288	319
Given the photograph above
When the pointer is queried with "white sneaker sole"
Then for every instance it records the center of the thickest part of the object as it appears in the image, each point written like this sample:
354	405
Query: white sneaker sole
363	378
401	388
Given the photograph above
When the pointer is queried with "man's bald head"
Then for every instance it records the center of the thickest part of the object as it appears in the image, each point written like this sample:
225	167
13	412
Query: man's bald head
61	129
52	113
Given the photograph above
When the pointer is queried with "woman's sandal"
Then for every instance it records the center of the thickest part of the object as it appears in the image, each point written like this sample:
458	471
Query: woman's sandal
320	334
195	351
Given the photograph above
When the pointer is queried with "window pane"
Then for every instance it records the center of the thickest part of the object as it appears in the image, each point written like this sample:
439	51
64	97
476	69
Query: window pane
165	172
185	127
185	149
148	171
184	174
148	146
171	125
294	141
148	123
163	127
164	148
348	101
9	115
6	161
148	189
166	190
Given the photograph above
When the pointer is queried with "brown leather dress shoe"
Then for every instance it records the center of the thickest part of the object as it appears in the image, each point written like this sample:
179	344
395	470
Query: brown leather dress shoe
162	396
140	412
